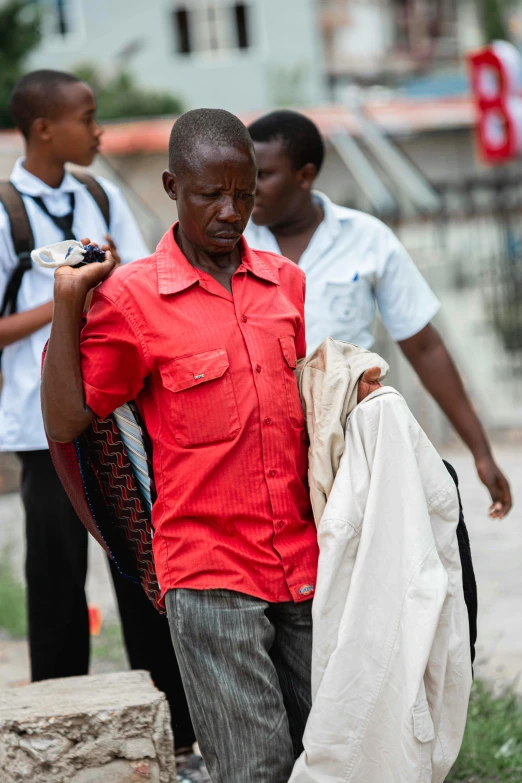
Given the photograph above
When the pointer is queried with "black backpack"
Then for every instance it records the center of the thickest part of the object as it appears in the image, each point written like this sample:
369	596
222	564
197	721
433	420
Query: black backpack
22	233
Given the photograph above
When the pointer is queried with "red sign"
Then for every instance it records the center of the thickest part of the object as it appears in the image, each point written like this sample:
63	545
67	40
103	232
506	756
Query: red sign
496	81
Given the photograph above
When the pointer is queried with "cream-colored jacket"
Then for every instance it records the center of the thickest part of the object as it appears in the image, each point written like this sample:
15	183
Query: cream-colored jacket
391	669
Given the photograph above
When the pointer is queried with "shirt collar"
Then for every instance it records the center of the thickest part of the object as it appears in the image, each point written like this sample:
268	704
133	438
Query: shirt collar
30	185
175	273
253	261
331	224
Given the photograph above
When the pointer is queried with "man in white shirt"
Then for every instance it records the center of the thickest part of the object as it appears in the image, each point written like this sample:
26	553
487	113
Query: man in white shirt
56	114
352	262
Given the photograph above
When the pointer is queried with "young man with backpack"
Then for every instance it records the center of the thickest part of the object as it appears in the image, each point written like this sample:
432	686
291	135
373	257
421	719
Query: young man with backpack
44	203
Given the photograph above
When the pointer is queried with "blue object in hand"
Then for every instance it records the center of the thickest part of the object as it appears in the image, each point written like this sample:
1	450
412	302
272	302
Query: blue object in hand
92	254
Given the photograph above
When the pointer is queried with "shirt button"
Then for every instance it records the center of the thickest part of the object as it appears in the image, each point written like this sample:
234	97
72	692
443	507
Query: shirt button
268	420
271	472
258	368
244	318
280	524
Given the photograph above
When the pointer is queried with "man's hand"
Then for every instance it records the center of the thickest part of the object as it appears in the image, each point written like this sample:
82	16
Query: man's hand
79	282
111	247
65	412
497	484
368	383
434	366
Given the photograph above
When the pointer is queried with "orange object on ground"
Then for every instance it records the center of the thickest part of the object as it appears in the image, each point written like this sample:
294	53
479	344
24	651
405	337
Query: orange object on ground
95	620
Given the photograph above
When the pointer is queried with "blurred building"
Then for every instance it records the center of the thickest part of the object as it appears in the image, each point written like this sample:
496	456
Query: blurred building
394	42
218	53
385	82
259	53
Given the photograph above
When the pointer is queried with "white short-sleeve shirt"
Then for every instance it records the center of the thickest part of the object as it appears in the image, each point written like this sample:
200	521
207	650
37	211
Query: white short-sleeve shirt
21	424
352	263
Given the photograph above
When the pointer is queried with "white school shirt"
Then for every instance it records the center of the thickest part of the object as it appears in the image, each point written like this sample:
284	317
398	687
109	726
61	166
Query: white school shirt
352	263
21	424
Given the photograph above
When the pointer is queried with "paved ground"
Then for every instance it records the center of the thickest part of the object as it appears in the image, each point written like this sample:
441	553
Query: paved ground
496	547
497	554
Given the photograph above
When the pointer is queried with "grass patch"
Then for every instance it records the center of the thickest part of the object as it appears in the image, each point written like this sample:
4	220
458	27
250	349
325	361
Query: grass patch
492	747
108	650
13	614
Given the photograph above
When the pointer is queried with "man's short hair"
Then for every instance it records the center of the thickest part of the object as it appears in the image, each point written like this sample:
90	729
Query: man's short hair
36	95
300	136
215	127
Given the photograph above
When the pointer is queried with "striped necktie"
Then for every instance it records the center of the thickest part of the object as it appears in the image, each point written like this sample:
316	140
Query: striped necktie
132	439
63	222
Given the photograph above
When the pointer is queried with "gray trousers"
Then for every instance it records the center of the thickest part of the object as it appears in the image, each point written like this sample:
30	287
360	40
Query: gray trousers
245	666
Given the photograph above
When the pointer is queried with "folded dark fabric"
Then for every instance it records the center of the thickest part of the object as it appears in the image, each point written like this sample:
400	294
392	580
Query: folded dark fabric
102	473
468	573
107	474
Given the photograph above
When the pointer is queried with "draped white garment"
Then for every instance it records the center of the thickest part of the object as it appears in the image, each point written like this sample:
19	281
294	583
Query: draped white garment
391	669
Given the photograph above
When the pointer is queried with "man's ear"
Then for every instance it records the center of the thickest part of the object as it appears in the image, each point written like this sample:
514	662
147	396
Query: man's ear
40	129
170	184
307	176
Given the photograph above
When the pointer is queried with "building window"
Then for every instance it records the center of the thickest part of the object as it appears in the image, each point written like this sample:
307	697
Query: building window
211	26
426	27
60	19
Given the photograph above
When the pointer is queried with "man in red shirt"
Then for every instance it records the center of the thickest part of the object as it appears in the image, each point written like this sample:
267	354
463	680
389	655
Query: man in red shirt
205	335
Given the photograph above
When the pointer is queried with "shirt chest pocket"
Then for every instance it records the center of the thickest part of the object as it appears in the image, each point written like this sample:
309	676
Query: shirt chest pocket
202	405
343	300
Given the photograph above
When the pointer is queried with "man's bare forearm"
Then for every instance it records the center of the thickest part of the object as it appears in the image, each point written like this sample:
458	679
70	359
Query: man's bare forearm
65	414
20	325
434	366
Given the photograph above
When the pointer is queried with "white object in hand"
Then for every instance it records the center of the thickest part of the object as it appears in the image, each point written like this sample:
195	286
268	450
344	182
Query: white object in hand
67	253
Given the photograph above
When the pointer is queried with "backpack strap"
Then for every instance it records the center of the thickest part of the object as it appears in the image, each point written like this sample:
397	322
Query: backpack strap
23	242
22	233
98	194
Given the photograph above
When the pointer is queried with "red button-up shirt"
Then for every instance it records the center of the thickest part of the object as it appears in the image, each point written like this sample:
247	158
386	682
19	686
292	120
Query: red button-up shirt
213	376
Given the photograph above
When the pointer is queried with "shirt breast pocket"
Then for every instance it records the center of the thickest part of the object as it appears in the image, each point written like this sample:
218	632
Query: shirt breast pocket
201	399
342	300
293	399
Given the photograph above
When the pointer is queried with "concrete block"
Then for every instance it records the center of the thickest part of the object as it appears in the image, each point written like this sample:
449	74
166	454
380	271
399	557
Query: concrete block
110	728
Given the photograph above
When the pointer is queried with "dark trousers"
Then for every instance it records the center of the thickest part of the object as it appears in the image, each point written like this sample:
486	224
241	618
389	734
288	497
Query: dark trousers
56	570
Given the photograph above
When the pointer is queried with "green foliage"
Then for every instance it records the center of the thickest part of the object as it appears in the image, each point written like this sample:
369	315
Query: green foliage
19	35
493	20
121	98
492	747
13	620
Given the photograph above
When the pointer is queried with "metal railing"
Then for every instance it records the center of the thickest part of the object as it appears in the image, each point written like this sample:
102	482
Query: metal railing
470	251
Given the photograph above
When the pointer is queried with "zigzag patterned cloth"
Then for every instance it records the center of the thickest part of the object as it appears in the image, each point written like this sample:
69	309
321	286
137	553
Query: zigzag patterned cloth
107	474
132	437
